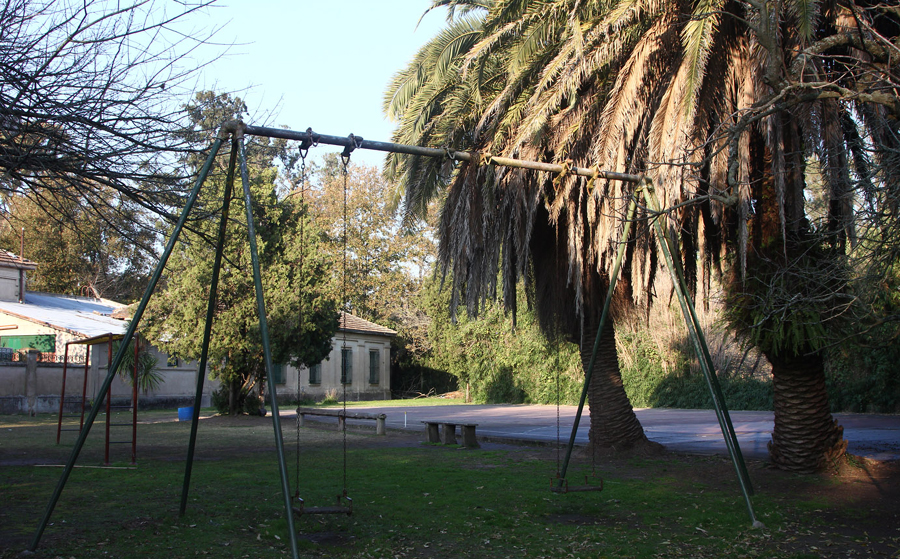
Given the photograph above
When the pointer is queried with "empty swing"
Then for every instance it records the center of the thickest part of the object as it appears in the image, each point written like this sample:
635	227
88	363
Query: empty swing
344	503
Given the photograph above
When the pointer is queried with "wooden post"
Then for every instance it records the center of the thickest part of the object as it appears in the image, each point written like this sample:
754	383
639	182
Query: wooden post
31	381
449	433
468	435
431	432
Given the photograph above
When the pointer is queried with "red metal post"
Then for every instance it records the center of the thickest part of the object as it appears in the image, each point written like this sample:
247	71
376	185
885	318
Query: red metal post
108	399
62	395
134	403
87	364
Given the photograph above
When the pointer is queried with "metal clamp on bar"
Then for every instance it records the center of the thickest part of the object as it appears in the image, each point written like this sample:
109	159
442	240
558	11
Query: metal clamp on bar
310	140
353	142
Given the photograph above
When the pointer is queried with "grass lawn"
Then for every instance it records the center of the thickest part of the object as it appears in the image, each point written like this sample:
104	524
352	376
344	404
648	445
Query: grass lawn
417	500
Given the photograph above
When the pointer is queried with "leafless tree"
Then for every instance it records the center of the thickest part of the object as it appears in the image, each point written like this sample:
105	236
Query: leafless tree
91	93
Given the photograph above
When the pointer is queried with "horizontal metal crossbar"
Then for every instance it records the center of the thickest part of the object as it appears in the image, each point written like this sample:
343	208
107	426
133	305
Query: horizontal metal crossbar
357	142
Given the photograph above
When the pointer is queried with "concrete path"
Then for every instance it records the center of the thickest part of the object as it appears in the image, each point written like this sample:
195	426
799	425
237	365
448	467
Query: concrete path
692	431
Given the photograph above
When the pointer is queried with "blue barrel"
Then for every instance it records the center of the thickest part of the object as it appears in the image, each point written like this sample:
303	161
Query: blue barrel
186	414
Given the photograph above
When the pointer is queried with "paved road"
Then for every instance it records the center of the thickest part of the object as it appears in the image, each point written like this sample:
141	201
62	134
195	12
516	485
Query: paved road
693	431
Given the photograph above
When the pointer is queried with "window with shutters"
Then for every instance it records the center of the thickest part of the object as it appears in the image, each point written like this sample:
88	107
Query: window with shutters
278	373
374	366
315	374
346	365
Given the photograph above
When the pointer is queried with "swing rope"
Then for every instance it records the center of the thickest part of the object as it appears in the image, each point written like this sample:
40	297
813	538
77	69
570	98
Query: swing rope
300	509
345	159
304	151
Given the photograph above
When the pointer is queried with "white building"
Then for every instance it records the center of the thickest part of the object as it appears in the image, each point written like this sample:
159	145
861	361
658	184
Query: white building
48	323
365	350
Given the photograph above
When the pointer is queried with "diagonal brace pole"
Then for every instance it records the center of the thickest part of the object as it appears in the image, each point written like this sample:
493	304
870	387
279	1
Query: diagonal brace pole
267	351
702	351
123	346
207	329
620	253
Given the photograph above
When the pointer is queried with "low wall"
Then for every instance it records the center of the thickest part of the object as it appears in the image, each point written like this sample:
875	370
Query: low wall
34	387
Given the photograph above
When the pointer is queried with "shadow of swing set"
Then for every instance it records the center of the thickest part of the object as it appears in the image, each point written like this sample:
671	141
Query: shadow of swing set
236	131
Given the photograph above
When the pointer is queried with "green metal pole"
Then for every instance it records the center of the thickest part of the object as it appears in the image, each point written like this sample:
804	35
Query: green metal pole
264	332
207	329
692	327
706	363
712	379
620	253
123	347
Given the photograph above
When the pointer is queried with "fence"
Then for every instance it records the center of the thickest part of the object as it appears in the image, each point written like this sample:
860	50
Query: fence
9	355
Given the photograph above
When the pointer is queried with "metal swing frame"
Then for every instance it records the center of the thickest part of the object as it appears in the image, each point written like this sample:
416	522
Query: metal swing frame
236	131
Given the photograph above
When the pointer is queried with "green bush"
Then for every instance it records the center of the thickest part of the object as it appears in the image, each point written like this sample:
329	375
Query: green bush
252	403
864	380
676	382
249	403
331	397
220	399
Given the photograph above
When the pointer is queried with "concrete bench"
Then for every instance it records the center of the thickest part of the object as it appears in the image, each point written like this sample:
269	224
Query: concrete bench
342	416
445	432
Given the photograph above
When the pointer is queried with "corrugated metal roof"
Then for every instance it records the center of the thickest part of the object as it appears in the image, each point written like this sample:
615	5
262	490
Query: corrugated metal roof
91	317
10	260
352	323
80	315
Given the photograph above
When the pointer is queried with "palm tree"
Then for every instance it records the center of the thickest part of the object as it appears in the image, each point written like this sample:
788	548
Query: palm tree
721	104
491	223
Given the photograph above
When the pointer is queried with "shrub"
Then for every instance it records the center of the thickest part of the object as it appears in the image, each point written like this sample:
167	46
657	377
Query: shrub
659	368
220	400
864	379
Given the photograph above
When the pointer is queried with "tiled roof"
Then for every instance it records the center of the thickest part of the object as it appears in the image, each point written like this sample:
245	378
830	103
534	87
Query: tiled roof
352	323
88	317
10	260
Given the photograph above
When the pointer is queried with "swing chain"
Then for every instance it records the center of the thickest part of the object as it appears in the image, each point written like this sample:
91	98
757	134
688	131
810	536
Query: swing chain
304	151
345	159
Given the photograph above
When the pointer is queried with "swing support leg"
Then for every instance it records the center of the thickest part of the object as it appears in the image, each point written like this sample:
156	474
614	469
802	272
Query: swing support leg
701	349
207	329
267	351
620	253
123	347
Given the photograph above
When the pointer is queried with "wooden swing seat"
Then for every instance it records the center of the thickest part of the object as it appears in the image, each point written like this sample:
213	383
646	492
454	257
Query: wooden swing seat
336	509
558	485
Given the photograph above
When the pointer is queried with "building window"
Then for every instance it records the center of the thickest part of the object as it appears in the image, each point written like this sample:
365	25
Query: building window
374	366
172	360
278	373
315	374
346	365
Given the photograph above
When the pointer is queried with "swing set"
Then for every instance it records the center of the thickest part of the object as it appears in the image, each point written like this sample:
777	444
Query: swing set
236	131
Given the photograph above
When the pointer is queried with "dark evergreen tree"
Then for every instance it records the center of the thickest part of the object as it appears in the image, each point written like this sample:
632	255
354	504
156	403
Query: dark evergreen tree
295	273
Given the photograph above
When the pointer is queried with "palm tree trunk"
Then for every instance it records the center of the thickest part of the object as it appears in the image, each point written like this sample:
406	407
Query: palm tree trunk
614	426
806	437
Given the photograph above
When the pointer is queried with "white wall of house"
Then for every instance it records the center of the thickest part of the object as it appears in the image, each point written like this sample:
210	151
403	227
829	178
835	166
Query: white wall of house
39	391
14	326
366	350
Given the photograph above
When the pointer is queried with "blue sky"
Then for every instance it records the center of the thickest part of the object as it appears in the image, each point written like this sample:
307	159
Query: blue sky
319	63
